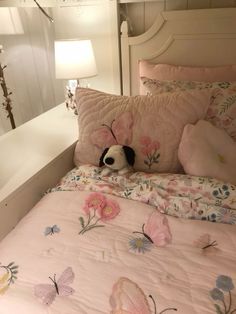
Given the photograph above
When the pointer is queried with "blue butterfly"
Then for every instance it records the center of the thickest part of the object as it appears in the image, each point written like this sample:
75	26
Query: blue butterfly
51	230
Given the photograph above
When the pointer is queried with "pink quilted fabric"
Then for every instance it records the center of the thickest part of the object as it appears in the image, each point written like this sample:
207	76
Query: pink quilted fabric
151	125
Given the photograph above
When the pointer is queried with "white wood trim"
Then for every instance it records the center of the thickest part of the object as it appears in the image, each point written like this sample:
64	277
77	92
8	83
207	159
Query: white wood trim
17	204
186	37
33	158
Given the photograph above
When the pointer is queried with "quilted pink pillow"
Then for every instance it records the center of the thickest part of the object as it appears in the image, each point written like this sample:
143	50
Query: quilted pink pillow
169	72
151	125
206	150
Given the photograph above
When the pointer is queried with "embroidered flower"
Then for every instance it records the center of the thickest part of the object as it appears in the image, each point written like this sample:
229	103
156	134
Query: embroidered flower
216	294
109	211
7	276
98	208
96	201
226	215
140	245
224	283
150	149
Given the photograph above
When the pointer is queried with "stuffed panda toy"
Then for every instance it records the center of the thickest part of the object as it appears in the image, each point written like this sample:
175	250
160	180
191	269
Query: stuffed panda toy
117	158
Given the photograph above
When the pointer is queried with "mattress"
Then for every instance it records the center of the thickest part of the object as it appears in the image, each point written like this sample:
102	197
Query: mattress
137	243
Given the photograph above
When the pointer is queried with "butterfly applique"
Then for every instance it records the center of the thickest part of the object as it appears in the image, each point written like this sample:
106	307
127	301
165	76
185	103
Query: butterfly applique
48	292
204	242
51	230
156	231
119	132
128	297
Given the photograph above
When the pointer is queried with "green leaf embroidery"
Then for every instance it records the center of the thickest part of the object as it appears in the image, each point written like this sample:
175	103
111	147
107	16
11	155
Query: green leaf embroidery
218	309
227	104
81	219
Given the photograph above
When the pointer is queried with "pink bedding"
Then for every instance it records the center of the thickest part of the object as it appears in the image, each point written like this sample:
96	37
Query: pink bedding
124	245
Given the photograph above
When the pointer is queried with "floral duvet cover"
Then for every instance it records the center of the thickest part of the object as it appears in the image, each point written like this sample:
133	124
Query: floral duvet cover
134	244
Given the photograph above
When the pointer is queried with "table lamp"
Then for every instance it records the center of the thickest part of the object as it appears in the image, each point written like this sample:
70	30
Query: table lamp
74	60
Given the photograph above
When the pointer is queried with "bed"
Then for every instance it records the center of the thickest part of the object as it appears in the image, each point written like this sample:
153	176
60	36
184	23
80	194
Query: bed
160	239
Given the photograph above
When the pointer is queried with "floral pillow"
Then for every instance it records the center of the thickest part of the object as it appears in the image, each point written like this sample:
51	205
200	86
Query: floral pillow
222	109
151	125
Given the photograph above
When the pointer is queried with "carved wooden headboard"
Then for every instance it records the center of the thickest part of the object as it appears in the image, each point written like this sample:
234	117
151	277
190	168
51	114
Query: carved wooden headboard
205	37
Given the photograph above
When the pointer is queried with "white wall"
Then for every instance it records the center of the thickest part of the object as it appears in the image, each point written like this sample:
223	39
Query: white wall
141	14
30	74
30	69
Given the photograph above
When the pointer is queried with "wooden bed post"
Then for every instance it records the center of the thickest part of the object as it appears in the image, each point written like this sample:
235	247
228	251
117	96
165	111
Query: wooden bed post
125	58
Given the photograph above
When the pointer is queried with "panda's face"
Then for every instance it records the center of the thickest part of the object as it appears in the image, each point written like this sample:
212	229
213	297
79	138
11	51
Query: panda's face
115	158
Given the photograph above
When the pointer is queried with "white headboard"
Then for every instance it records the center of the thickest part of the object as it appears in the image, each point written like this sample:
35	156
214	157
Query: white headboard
205	37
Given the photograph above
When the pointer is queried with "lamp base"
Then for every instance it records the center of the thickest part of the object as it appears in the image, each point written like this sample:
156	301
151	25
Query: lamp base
70	96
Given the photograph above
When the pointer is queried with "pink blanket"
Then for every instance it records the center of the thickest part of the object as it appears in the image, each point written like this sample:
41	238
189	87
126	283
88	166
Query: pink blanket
92	245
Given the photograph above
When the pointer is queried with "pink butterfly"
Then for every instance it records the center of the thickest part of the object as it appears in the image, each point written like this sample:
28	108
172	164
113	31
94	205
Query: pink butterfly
204	242
120	132
128	298
47	292
157	230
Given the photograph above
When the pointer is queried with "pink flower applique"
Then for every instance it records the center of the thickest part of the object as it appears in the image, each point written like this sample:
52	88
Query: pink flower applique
150	149
98	208
118	132
109	211
94	202
156	231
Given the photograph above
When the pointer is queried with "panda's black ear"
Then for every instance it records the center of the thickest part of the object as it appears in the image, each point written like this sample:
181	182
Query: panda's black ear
101	163
129	154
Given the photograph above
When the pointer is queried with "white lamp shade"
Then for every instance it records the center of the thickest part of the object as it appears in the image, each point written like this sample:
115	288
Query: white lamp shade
74	59
10	22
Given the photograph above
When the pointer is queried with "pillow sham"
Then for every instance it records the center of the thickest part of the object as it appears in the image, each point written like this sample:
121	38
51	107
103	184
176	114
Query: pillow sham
222	109
205	150
185	73
151	125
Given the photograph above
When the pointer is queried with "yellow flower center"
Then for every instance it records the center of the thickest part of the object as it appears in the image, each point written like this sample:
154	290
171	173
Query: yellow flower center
221	158
139	243
95	202
107	210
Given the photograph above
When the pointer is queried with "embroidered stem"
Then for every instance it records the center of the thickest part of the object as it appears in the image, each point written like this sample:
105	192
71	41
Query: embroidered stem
230	301
223	301
88	222
89	227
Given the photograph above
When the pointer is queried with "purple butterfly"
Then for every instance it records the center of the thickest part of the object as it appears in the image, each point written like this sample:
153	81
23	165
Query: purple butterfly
47	292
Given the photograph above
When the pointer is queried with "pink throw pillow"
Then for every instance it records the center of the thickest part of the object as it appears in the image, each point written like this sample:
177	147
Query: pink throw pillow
151	125
206	150
169	72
